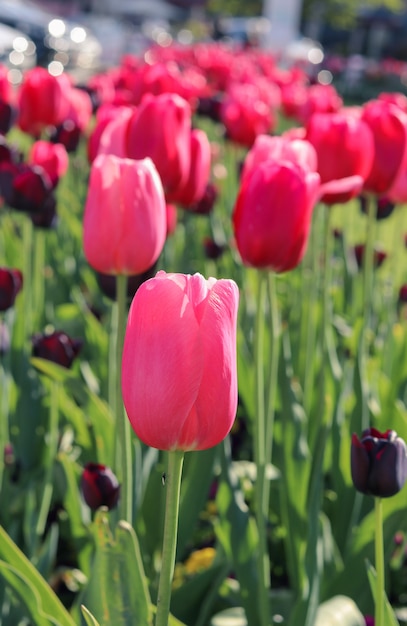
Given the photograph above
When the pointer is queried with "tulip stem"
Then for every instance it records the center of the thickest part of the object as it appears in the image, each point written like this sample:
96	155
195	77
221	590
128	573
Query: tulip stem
173	485
260	447
52	450
379	559
124	439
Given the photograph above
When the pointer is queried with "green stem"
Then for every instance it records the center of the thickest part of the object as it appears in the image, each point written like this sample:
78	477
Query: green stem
260	445
272	382
52	451
38	276
173	485
124	438
379	558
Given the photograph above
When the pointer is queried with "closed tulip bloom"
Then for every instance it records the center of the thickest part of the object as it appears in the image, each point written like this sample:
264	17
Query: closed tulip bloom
388	124
378	463
53	157
125	221
345	148
57	347
11	282
272	215
161	130
42	101
179	376
199	171
245	115
99	486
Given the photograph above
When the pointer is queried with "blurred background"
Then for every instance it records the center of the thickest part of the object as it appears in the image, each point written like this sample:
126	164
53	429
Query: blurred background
359	43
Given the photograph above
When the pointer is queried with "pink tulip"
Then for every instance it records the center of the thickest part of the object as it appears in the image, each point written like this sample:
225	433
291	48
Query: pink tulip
245	115
280	148
345	149
388	124
42	101
272	214
125	220
179	377
199	171
53	157
161	130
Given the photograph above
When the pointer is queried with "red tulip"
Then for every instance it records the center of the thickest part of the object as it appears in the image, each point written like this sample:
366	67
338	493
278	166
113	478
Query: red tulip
42	101
125	221
179	377
53	157
245	115
272	214
57	347
345	149
199	171
11	282
161	130
280	148
389	127
99	486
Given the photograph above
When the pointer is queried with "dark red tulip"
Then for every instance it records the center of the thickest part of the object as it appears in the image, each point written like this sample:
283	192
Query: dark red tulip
384	206
403	294
378	463
205	205
99	486
8	116
379	256
69	134
11	281
107	282
212	249
57	347
26	188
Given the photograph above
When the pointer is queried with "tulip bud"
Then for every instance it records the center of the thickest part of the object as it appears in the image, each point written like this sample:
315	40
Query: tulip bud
57	347
378	463
11	281
99	486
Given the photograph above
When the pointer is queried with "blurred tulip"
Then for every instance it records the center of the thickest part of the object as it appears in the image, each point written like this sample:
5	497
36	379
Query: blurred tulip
272	215
99	486
53	157
245	116
318	99
205	205
107	282
125	220
345	150
378	463
199	171
31	189
161	130
379	256
384	206
389	128
68	134
42	101
11	282
212	249
8	116
57	347
179	376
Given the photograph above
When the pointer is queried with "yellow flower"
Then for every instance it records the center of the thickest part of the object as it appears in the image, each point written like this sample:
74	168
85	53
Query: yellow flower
200	560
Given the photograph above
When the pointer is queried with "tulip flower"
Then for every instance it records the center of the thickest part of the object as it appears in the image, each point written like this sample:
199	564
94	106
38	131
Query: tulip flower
125	221
42	101
378	463
388	124
198	176
245	115
99	486
57	347
161	130
179	376
11	282
384	206
272	215
53	157
345	148
379	256
205	205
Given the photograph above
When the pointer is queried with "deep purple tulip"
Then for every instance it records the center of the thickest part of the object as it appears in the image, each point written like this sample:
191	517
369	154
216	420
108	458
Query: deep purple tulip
57	347
11	281
379	256
212	249
32	189
378	463
107	282
384	206
99	486
205	205
8	116
69	134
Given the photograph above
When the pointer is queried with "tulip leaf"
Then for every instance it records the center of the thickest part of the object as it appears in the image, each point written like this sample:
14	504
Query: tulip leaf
51	369
42	604
89	618
390	618
117	591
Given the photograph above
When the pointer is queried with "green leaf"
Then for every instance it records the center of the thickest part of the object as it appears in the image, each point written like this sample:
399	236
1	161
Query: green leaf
390	618
42	604
90	619
117	592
